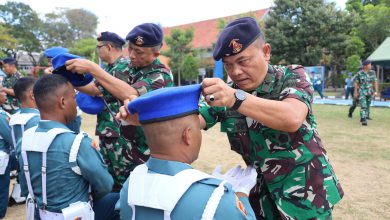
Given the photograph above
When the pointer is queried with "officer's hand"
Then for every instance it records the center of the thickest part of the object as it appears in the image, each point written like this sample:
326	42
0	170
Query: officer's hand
125	116
217	92
229	176
375	94
245	180
81	66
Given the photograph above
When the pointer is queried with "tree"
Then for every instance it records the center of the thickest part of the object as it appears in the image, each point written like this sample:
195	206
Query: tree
85	48
179	50
24	25
7	42
352	64
66	26
190	67
371	21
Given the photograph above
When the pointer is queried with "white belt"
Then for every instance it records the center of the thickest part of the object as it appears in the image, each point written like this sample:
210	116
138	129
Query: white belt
46	215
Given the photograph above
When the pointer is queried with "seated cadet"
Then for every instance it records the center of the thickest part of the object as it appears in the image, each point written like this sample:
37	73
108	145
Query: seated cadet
50	53
167	187
6	162
26	117
63	169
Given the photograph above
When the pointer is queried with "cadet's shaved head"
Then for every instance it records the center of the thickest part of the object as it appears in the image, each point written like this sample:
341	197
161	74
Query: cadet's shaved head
23	86
47	90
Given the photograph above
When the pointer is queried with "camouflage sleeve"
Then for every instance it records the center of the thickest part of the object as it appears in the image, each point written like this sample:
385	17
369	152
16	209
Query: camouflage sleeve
356	78
153	81
297	85
209	113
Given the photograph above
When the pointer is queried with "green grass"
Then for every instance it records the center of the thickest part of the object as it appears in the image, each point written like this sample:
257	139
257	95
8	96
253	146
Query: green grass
361	158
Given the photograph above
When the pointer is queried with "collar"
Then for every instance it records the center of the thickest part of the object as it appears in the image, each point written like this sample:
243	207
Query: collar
29	110
48	124
155	62
166	167
268	83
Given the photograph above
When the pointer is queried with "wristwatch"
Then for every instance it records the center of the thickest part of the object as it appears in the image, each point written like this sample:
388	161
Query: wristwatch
240	96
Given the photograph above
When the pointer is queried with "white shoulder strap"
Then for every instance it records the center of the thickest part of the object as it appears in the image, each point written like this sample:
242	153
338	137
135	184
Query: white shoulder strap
74	151
160	191
38	142
213	202
21	118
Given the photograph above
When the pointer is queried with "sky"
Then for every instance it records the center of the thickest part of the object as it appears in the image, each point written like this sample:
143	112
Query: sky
120	16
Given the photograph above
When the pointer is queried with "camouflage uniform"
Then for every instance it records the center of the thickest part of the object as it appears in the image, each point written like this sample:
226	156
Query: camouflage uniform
296	180
124	148
366	90
12	103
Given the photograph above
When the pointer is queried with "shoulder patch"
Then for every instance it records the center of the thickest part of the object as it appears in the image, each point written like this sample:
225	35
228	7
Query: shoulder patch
241	207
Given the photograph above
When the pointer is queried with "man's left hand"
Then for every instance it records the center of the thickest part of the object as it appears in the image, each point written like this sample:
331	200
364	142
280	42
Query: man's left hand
217	92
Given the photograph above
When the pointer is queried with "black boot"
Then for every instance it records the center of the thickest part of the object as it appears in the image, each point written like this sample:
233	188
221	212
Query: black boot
350	114
368	118
363	121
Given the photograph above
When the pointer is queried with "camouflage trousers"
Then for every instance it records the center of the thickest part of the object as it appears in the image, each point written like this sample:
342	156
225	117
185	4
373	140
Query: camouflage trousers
121	157
290	199
365	102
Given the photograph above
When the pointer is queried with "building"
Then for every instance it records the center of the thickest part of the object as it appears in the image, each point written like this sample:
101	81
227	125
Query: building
205	35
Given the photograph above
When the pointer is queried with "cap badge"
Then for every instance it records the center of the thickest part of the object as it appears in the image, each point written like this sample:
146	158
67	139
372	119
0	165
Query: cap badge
139	40
235	45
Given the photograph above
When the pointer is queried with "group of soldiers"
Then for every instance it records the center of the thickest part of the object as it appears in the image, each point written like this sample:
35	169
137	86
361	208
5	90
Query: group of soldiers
149	135
364	88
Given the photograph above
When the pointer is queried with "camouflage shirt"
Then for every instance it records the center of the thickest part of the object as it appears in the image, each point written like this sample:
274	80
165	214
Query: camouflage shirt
106	126
291	163
146	79
12	103
366	82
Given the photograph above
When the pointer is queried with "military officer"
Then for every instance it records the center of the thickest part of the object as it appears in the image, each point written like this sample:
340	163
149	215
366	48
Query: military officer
50	53
167	187
144	73
26	117
366	87
61	168
267	115
6	161
9	67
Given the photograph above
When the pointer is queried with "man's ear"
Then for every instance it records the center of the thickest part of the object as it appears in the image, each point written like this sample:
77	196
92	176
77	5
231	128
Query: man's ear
186	136
267	51
31	95
62	102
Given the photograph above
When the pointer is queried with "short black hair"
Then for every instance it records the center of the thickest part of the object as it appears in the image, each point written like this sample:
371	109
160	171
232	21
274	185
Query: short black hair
45	89
22	85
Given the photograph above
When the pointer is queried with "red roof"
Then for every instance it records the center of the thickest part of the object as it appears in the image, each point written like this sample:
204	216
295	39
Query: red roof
206	32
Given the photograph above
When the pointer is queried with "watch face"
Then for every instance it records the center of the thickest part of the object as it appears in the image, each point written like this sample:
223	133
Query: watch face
240	95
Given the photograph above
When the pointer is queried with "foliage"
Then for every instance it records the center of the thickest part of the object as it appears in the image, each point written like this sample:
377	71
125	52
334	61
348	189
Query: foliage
372	22
66	26
353	63
85	48
303	31
7	42
179	44
24	25
190	67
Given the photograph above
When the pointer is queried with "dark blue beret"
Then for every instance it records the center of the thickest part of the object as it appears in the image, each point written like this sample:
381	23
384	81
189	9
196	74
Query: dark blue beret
111	37
166	103
366	62
9	60
235	37
89	104
74	78
54	51
146	35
